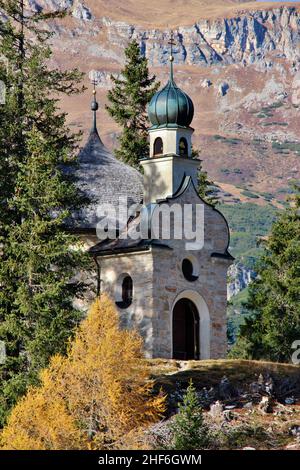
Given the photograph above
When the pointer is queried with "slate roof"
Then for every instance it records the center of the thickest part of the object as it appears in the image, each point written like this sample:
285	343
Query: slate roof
128	243
103	178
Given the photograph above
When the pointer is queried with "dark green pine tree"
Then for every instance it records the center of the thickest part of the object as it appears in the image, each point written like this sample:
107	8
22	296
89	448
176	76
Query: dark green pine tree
128	101
206	188
39	258
274	296
189	431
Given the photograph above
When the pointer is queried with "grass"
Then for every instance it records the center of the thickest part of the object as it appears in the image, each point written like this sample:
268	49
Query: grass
267	196
286	146
227	140
170	374
236	171
250	194
274	123
266	111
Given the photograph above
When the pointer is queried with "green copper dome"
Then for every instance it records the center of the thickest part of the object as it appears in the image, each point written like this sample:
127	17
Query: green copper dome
171	107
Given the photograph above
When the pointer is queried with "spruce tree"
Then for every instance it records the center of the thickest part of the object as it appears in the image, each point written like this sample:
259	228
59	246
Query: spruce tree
189	432
274	296
128	101
205	186
37	152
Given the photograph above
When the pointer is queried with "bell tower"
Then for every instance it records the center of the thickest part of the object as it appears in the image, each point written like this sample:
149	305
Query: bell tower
171	112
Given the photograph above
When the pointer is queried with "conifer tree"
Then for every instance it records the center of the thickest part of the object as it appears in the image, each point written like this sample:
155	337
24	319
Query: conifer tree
37	152
274	297
205	186
94	398
189	432
128	101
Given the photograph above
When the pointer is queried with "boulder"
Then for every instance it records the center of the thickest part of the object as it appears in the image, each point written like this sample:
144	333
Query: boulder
265	405
216	409
206	83
225	389
223	88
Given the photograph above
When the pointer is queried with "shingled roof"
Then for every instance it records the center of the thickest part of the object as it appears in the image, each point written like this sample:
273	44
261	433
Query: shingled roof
103	179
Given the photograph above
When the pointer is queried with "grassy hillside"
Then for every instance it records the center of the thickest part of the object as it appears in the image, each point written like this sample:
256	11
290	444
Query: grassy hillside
242	421
248	223
241	373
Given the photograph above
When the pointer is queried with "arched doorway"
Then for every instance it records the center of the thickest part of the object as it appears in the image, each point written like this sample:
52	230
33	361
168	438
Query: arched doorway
204	318
186	330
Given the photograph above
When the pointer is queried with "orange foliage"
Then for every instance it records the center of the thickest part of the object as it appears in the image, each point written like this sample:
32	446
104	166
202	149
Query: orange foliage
92	398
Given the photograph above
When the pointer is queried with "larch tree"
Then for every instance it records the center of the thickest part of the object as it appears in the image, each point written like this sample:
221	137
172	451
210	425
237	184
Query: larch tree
95	398
128	105
38	193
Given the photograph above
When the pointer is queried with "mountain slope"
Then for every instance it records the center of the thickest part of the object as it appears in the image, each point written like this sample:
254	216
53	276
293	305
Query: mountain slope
161	13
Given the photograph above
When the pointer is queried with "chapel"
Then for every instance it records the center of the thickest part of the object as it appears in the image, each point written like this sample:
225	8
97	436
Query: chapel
167	285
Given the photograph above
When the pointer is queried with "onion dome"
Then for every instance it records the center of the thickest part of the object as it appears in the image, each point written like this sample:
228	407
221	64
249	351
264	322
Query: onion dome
171	107
103	179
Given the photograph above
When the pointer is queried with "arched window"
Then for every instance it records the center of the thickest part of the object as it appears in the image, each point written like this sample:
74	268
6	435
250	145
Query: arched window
183	147
158	146
124	291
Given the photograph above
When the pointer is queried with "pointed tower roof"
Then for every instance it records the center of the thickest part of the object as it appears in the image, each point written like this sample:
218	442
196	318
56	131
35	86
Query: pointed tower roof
103	178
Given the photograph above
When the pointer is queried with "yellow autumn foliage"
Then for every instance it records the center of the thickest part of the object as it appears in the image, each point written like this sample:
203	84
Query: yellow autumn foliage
92	398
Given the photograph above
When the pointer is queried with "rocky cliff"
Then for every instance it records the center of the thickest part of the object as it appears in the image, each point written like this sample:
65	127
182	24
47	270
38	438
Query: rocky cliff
249	37
239	277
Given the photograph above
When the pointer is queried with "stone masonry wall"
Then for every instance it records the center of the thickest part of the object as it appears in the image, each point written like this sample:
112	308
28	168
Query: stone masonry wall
158	280
139	314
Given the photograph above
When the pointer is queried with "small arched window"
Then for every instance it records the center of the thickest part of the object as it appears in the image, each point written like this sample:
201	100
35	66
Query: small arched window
183	147
158	146
124	292
189	270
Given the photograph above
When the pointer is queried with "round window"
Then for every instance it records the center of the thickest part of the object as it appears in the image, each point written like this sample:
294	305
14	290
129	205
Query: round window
188	270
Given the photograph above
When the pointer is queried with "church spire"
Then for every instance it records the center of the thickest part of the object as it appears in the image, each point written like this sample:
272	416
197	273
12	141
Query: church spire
94	108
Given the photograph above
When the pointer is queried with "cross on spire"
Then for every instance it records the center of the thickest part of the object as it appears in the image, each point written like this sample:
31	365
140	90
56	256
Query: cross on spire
171	44
94	104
